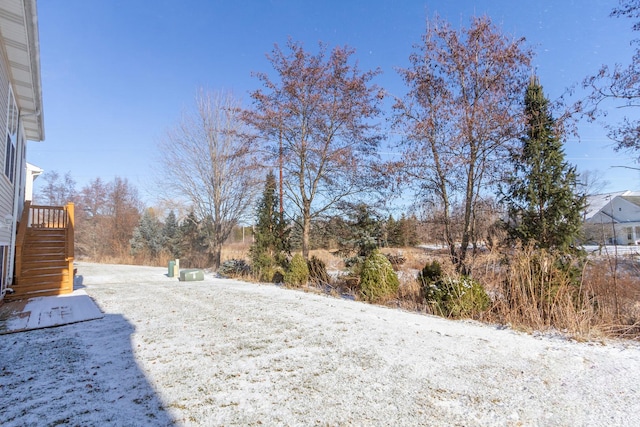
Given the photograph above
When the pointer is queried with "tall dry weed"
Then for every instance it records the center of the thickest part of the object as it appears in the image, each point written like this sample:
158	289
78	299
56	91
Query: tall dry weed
543	290
615	294
331	261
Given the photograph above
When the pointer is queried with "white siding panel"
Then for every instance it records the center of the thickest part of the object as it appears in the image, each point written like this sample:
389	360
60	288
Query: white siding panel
625	211
6	188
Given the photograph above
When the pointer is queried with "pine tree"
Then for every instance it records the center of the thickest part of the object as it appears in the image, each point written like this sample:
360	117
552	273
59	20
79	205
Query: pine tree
362	233
171	233
270	244
394	238
147	236
541	198
193	245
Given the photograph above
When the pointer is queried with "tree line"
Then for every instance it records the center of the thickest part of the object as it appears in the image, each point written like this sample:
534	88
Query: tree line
114	225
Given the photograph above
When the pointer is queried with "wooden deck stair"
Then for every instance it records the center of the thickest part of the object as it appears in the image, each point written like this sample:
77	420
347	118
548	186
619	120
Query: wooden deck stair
44	255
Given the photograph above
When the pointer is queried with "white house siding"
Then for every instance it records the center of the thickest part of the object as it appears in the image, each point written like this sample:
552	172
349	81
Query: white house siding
6	187
620	218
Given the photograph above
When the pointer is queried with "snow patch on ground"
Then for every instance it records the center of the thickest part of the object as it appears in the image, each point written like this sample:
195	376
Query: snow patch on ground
223	352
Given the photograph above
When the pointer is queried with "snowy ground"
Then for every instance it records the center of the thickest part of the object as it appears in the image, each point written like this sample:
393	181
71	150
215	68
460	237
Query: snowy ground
221	352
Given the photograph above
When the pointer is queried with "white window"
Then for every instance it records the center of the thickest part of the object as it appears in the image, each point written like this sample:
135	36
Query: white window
12	138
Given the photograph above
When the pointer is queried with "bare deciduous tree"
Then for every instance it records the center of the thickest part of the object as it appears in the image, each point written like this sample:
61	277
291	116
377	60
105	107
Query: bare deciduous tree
317	119
57	190
592	182
90	212
106	215
206	161
464	100
620	85
123	209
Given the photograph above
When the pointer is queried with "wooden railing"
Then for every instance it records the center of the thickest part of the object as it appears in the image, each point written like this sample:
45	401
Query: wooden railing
48	216
70	233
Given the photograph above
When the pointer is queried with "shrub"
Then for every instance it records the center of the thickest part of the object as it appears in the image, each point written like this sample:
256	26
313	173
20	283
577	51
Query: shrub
298	271
429	274
278	275
263	266
451	296
465	297
234	268
378	281
317	270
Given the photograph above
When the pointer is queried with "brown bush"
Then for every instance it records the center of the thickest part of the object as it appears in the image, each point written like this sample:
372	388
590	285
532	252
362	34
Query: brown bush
614	287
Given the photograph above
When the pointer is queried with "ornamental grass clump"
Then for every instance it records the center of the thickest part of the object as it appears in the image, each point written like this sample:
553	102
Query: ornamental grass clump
298	272
378	281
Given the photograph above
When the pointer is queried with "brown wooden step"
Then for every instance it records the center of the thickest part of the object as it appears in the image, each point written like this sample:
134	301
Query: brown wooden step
46	231
41	292
43	268
50	256
37	258
39	246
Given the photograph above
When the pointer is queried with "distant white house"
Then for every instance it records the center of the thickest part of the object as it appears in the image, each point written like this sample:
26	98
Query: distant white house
614	217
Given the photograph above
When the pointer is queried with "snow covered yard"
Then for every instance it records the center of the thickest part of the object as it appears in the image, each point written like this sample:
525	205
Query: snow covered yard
222	352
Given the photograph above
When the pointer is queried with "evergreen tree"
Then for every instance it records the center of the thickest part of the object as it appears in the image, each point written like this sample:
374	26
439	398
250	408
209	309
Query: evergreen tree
541	198
193	245
171	235
270	244
402	233
147	236
362	233
394	237
411	231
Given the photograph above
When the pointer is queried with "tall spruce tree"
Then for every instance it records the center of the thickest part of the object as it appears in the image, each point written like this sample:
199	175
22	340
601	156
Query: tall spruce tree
147	237
192	242
171	234
543	205
271	240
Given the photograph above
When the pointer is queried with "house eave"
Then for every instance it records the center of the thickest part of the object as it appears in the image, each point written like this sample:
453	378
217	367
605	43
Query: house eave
20	41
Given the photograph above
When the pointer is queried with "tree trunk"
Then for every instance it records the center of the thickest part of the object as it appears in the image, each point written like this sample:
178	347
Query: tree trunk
447	226
306	230
215	256
468	206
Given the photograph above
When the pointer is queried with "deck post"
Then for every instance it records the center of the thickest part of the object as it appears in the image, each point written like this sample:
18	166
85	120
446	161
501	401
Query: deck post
70	234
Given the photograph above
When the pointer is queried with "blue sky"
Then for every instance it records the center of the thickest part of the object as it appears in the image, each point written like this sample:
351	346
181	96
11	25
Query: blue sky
117	74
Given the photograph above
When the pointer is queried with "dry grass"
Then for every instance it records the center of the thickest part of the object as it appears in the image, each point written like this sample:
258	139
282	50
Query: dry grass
333	262
538	294
235	251
415	258
614	287
409	294
604	301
